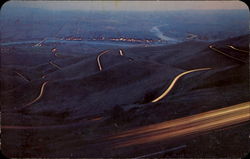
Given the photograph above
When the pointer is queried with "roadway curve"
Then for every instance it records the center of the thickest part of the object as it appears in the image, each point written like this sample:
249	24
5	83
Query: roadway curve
55	65
98	59
38	97
234	48
121	52
22	76
40	43
54	52
174	81
223	53
193	124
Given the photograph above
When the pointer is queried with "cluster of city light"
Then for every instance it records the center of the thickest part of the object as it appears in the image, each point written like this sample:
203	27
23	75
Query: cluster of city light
133	40
113	39
101	38
72	38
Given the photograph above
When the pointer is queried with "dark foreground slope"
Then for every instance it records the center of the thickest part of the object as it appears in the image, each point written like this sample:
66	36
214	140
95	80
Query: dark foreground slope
60	105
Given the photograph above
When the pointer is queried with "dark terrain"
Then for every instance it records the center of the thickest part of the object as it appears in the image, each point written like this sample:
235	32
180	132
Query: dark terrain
81	105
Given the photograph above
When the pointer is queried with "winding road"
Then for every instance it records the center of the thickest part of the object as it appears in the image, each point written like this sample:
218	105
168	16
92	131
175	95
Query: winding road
193	124
19	74
223	53
38	97
55	65
121	52
174	82
98	59
22	76
234	48
40	43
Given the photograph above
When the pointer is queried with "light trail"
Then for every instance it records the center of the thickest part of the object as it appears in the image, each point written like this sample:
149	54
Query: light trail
164	151
121	52
184	126
187	120
186	131
22	76
174	81
54	51
55	65
232	47
102	53
216	50
38	97
40	43
98	59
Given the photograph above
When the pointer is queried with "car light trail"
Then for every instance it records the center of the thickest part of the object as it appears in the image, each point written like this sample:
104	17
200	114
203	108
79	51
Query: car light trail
216	50
98	59
38	97
187	120
54	51
22	76
164	151
55	65
40	43
202	122
121	52
174	81
232	47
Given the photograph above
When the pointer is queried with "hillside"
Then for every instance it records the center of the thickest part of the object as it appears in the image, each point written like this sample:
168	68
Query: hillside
46	90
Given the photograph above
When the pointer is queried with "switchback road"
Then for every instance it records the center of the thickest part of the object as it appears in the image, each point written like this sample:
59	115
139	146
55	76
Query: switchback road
55	65
174	82
240	50
38	97
121	52
22	76
227	55
98	59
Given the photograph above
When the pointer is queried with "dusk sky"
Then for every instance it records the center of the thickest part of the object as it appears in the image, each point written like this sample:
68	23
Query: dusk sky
129	5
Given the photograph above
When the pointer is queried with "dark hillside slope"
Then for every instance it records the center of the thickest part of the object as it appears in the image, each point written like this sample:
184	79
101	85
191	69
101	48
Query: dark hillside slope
70	104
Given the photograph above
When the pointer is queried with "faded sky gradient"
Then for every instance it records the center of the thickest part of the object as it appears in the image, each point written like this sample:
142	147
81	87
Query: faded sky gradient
129	5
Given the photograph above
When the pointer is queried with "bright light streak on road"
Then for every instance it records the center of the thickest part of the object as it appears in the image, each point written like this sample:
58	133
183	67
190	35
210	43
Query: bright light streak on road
187	120
174	81
22	76
98	59
40	43
216	50
39	96
53	50
55	65
184	126
232	47
121	52
164	151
